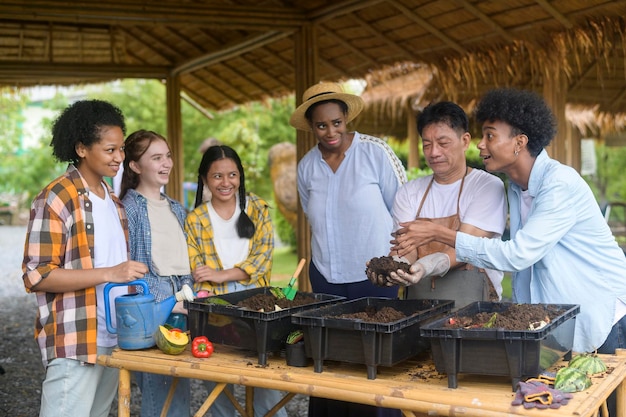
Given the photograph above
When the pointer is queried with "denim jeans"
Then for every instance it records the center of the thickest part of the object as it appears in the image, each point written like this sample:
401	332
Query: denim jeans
264	400
73	388
154	389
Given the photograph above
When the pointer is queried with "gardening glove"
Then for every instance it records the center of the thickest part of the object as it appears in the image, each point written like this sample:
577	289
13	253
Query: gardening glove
535	394
380	279
435	264
185	294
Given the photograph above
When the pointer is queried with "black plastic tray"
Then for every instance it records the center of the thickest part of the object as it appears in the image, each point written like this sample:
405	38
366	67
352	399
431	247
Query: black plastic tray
329	337
519	354
243	328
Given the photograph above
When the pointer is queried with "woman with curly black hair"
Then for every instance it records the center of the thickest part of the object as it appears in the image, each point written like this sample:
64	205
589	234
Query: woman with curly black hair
561	249
76	242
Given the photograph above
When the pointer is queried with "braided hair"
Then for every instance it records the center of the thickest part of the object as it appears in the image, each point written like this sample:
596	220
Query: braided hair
245	227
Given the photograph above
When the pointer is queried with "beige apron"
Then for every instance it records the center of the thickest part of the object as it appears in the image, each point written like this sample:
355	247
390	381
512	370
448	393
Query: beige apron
465	284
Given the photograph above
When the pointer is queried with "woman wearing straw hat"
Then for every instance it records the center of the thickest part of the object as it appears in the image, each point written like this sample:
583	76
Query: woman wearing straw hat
347	184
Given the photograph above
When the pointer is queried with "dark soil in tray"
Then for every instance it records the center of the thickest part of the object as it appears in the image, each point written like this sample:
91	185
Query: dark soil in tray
267	302
373	315
516	317
384	265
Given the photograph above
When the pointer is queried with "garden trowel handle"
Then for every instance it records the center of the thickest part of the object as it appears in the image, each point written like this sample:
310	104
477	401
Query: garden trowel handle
299	268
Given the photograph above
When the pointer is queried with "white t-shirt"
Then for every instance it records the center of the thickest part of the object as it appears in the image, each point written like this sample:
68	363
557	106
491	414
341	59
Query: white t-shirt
110	250
231	248
482	204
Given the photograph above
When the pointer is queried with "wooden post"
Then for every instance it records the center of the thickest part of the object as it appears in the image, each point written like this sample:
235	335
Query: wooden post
174	136
413	137
306	57
555	93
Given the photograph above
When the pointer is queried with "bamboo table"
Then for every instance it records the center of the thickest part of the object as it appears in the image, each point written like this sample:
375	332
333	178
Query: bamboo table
412	386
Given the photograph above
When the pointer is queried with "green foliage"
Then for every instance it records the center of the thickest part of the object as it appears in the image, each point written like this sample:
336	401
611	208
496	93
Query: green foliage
283	229
609	183
25	171
284	265
12	104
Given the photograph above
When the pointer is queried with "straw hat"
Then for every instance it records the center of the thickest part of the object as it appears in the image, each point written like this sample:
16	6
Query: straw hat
322	92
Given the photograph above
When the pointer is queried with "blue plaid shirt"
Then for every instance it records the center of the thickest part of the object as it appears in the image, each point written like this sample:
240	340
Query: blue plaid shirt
140	240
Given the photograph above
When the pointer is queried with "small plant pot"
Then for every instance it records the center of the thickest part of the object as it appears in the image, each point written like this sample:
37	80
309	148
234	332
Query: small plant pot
296	355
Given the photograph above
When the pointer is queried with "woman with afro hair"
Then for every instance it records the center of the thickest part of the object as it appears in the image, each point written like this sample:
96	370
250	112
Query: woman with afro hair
76	242
561	249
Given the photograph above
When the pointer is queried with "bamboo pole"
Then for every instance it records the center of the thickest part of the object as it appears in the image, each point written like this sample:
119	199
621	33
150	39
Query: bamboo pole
306	60
414	143
123	391
174	136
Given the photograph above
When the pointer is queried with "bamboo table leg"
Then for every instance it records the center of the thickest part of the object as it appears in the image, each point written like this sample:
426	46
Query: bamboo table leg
620	408
210	399
123	394
280	404
170	396
236	404
250	401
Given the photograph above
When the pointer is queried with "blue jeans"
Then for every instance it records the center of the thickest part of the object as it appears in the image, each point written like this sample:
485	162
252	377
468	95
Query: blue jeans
154	389
615	339
73	388
350	290
264	400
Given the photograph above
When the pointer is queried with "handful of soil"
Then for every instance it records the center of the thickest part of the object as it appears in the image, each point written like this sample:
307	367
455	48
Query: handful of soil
383	266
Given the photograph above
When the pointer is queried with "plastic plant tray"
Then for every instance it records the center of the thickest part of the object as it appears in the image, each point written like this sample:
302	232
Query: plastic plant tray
329	337
263	332
519	354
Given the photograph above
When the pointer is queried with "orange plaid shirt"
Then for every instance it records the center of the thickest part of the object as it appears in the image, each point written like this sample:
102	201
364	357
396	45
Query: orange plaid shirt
60	234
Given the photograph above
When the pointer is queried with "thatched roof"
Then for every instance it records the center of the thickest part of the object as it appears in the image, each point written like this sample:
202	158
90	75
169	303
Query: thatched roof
590	57
394	97
232	51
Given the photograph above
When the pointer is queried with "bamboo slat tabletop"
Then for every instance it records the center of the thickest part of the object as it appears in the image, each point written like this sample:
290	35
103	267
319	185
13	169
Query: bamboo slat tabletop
412	386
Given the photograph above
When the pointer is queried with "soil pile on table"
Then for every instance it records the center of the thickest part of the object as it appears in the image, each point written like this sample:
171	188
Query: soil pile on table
371	314
267	302
384	265
516	317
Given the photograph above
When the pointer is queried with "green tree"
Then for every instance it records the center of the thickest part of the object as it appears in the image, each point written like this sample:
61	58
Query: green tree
25	170
609	183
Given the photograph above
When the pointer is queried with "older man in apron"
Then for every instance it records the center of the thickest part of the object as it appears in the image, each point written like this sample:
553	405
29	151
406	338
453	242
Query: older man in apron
455	196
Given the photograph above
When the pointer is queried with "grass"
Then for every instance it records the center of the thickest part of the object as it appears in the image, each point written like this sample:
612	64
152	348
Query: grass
506	286
286	261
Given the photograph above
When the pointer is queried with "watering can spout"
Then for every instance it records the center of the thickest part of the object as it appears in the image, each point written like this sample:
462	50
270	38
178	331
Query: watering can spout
163	309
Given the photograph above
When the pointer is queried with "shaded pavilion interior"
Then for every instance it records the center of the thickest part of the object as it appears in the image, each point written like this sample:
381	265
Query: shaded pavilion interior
222	53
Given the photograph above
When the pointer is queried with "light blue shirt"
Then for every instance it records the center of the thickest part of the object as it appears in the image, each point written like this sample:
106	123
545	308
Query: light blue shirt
565	253
350	210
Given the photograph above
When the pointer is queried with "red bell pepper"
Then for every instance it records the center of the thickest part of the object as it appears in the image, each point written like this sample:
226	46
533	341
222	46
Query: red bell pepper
201	347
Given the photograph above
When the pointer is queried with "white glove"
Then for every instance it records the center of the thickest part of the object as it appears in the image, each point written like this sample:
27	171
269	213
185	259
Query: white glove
185	294
435	264
400	259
